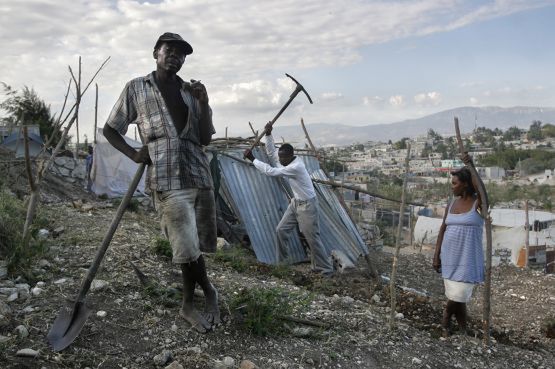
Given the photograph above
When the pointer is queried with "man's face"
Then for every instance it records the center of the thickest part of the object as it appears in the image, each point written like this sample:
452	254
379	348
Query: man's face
169	57
285	158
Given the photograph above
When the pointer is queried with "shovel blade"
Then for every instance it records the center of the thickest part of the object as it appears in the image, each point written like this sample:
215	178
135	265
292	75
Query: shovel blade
68	325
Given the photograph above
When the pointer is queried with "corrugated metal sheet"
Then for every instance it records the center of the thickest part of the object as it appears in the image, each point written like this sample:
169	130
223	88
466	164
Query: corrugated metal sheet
260	201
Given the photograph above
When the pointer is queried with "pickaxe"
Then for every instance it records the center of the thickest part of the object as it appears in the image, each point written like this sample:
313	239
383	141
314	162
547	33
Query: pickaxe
298	89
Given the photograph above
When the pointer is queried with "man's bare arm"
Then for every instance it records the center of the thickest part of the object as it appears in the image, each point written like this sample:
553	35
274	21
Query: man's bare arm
117	140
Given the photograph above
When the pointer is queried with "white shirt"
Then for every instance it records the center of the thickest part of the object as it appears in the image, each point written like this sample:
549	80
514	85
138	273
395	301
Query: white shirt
295	172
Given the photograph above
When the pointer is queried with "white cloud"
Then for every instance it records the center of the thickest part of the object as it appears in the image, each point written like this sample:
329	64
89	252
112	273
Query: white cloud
473	101
428	98
238	44
331	96
372	100
397	101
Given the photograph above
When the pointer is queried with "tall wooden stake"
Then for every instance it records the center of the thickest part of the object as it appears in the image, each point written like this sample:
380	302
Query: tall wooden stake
486	314
527	239
392	292
77	110
95	111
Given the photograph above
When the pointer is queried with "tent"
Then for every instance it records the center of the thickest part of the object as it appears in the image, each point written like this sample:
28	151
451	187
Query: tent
112	171
15	142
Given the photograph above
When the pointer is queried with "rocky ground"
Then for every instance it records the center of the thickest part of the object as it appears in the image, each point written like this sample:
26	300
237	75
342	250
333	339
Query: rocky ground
130	328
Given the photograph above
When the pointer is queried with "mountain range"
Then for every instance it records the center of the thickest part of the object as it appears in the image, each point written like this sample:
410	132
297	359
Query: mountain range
469	117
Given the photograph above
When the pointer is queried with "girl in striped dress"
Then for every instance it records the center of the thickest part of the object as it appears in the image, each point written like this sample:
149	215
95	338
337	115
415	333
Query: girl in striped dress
459	254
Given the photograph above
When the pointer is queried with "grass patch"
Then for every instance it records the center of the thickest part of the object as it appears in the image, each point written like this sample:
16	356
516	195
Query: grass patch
12	219
261	310
236	257
133	205
549	327
281	271
162	247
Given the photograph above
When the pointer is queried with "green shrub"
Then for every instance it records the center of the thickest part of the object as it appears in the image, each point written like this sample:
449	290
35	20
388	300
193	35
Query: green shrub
236	257
261	310
162	247
12	220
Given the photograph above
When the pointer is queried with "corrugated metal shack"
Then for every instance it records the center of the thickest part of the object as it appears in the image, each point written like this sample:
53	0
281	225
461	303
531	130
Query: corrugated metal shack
258	202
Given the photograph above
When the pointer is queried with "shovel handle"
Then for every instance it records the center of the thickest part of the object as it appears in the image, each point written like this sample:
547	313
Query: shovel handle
108	237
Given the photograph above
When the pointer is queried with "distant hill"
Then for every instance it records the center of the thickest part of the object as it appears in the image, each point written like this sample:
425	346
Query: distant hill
442	122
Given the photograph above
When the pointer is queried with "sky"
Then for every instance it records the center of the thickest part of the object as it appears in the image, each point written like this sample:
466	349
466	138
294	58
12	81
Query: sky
363	62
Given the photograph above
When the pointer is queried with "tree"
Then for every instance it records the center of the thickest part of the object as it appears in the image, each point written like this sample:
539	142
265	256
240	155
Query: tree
535	131
511	134
401	144
27	108
548	130
434	135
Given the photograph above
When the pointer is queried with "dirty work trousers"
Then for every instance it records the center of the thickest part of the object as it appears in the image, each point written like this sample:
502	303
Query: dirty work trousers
305	214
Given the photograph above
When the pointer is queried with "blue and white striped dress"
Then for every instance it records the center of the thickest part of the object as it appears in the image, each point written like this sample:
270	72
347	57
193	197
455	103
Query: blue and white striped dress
462	256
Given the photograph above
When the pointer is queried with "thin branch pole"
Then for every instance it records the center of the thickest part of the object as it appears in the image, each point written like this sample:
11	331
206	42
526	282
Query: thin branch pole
392	292
43	169
527	239
354	188
486	318
309	140
77	110
96	111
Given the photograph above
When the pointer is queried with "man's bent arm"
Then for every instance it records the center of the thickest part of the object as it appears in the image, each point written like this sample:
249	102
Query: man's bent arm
117	140
206	127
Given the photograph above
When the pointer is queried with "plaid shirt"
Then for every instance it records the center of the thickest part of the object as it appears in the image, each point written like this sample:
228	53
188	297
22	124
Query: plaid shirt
178	162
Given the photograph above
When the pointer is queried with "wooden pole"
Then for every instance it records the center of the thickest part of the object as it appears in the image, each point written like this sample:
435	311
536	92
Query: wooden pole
77	109
96	112
392	292
527	239
486	313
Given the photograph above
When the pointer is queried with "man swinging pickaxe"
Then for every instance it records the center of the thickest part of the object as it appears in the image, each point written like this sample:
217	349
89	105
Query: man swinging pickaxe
303	208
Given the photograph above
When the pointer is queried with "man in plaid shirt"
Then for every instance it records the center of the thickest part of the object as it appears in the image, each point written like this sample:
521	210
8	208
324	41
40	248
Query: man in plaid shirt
175	121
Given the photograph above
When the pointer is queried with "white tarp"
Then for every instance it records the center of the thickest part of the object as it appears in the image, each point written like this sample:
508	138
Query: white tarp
112	171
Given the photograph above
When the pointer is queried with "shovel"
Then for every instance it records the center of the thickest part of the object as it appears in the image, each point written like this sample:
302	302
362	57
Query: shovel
71	319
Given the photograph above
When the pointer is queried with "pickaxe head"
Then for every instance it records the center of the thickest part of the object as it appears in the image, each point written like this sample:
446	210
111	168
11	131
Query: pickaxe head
299	88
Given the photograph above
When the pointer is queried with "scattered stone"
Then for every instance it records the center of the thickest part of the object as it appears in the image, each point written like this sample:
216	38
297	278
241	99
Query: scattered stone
43	263
27	352
174	365
3	270
399	316
174	328
36	291
43	234
194	349
222	244
163	358
376	299
416	361
28	309
40	284
5	309
4	339
98	285
58	231
229	361
61	281
14	296
101	313
247	364
302	332
347	300
21	331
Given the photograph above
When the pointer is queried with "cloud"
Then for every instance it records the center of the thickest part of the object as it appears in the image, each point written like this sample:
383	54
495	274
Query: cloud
375	101
397	101
238	44
331	96
428	98
473	101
